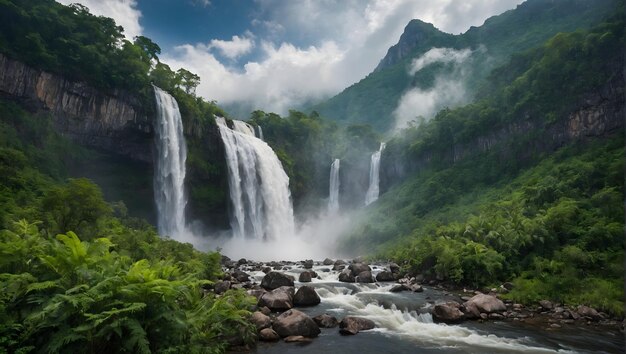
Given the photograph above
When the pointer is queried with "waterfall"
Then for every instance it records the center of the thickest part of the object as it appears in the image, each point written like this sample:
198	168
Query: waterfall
372	190
333	199
169	173
258	185
260	133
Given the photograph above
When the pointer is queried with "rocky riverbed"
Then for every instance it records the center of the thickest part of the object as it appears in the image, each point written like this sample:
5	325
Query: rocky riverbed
355	307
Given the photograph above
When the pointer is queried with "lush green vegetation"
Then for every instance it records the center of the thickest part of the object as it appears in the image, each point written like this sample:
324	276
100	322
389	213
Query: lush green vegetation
79	275
553	223
373	99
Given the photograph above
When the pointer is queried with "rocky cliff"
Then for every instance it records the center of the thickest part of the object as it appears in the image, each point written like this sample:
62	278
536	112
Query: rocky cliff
113	122
600	113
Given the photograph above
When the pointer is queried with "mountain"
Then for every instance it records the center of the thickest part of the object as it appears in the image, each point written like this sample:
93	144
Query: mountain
374	99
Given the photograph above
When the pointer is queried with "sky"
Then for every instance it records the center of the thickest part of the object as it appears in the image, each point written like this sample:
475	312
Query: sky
276	55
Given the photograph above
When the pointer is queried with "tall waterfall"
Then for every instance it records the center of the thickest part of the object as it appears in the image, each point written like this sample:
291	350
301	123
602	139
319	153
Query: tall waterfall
258	185
373	190
260	133
169	174
333	199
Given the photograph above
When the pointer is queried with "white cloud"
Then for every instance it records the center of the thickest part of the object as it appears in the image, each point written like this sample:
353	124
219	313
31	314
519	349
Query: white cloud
234	48
124	12
439	55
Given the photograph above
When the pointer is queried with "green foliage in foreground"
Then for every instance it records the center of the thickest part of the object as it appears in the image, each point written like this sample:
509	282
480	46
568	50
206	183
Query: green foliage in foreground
119	287
556	230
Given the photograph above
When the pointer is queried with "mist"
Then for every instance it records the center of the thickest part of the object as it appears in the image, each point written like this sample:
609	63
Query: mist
448	89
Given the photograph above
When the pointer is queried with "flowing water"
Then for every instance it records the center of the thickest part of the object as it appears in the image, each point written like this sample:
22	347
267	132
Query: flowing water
169	172
373	189
333	199
258	185
403	325
260	133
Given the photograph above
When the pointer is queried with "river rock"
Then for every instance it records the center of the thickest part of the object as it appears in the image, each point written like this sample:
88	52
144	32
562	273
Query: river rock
394	268
297	339
357	268
482	303
306	296
241	276
448	312
346	276
295	323
268	335
385	276
328	261
308	264
278	299
260	320
416	288
326	321
274	280
364	277
257	292
222	286
397	288
352	325
546	305
586	311
242	261
305	277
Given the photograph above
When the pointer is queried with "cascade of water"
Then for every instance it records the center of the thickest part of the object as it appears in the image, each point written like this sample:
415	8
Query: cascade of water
333	200
373	190
261	133
258	185
169	172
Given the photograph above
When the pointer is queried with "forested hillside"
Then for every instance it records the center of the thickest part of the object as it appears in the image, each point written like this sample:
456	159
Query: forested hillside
374	99
485	199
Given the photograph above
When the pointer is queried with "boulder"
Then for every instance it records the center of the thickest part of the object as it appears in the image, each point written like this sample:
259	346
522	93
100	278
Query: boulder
297	339
241	276
346	276
416	288
274	280
586	311
266	269
305	277
339	267
268	335
364	277
352	325
308	264
278	299
222	286
394	268
546	305
357	268
483	303
260	320
328	261
340	262
242	261
326	321
385	276
265	310
256	293
397	288
448	312
306	296
295	323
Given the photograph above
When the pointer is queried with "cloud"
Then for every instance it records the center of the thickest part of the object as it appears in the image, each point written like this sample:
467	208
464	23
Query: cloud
234	48
439	55
448	89
124	12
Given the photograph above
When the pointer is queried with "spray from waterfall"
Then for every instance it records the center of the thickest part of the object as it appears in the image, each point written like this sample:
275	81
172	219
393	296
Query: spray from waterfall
333	199
169	172
373	189
258	185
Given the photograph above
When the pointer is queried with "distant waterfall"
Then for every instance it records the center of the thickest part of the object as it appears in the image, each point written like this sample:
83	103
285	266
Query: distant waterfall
373	190
333	199
260	133
169	174
258	185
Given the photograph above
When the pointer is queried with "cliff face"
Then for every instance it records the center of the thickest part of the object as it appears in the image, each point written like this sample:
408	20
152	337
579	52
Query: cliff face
115	123
598	114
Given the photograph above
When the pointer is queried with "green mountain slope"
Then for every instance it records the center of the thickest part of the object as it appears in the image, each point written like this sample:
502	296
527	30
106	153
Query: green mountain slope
483	197
373	99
